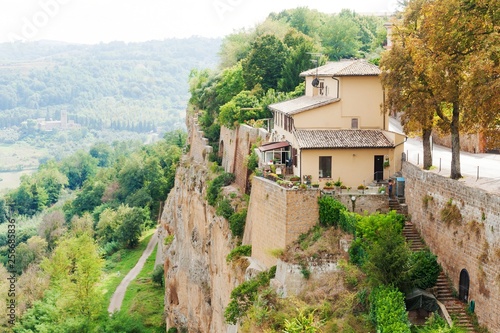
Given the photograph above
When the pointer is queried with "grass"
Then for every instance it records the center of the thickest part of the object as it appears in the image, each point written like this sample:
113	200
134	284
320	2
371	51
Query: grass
120	263
145	299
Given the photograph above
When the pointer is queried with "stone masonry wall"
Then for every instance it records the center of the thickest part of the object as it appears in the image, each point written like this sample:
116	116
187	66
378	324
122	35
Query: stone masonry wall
276	217
235	147
470	241
199	149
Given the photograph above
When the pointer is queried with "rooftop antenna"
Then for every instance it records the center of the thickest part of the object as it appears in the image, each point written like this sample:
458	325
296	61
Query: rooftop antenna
315	81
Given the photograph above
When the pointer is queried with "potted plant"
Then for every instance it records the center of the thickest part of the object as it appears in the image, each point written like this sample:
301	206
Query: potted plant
315	185
295	178
386	163
381	190
328	186
362	188
338	184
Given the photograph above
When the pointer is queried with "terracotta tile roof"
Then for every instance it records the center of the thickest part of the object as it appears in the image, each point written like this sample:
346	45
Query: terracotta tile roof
309	139
302	103
344	68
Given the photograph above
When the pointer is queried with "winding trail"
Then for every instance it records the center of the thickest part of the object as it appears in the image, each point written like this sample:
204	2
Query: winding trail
116	300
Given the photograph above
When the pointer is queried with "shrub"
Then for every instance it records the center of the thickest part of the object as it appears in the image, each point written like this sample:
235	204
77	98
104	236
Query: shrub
303	323
215	186
252	161
224	208
168	240
348	221
110	248
239	251
243	296
424	269
388	311
329	211
437	324
451	214
237	223
158	275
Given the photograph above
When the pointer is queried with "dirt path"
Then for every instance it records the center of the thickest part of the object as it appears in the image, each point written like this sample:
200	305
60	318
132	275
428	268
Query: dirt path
117	298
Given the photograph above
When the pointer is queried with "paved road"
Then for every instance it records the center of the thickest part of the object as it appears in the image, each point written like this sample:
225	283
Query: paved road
478	170
119	294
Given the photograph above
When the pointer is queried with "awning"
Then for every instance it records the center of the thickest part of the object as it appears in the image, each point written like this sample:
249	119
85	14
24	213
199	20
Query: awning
419	298
274	145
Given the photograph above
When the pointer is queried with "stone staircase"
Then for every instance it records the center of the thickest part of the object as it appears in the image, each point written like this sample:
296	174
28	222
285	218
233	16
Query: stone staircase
443	289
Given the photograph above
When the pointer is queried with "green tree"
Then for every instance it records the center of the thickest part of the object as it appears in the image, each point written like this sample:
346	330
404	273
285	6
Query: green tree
107	226
78	168
3	211
230	84
298	60
448	46
264	63
75	271
130	229
29	199
242	107
424	269
387	259
52	181
33	251
103	153
89	197
340	37
52	227
235	47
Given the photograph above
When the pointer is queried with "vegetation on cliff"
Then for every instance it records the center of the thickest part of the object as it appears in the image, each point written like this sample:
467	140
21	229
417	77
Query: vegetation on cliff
367	294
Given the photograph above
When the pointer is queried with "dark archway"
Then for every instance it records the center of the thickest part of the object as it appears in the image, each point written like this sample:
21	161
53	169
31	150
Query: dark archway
463	288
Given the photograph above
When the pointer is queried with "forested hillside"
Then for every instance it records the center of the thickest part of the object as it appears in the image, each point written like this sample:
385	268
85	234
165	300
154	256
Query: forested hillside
75	224
135	87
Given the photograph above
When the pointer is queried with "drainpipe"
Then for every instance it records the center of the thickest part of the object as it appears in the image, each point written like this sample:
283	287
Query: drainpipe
300	164
338	86
383	106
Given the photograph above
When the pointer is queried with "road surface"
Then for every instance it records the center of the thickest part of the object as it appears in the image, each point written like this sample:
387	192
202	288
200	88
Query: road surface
478	170
119	294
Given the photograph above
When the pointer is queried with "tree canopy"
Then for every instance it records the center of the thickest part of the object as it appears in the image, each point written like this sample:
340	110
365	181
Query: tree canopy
444	53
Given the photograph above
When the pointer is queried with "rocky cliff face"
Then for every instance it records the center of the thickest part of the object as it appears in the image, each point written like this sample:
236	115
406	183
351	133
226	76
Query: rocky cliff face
198	281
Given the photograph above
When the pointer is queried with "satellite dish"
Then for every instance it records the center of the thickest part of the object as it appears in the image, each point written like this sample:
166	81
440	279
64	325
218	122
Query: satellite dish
315	82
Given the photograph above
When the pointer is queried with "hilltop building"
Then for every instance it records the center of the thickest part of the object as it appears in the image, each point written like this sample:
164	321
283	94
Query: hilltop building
338	129
50	125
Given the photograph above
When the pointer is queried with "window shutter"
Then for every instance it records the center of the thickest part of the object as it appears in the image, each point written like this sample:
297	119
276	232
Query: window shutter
294	156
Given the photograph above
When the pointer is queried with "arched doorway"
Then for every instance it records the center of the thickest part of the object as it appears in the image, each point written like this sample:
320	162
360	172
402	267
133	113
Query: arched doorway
463	288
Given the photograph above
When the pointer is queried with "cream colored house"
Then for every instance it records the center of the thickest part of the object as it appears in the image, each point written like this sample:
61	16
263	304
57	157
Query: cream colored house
337	129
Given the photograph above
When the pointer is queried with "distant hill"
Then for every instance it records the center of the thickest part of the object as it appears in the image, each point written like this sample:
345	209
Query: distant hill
121	86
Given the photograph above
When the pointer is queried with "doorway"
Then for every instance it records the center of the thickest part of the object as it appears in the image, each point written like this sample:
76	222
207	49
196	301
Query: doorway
378	168
463	288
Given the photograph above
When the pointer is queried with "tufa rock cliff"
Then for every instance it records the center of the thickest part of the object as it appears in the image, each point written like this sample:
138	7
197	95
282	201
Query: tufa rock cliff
198	281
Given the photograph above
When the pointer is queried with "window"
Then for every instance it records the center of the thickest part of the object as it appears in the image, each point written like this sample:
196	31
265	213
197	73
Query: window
288	126
354	123
325	167
321	87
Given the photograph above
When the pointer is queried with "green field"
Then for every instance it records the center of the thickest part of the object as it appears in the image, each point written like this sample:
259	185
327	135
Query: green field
17	160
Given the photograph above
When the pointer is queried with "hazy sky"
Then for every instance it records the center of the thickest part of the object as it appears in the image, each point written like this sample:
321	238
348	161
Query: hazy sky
94	21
